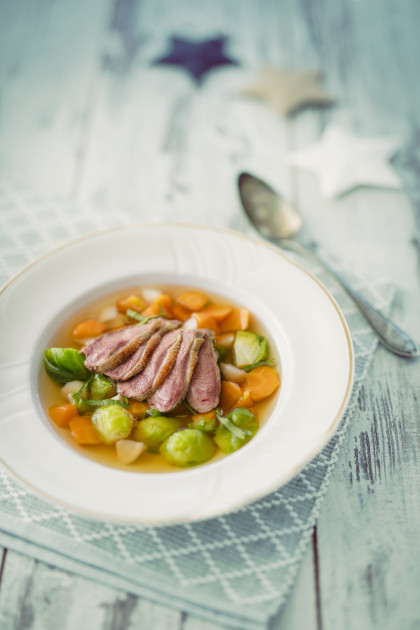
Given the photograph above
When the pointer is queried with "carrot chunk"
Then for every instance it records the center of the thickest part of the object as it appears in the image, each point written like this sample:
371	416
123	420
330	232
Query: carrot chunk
138	409
162	305
164	300
218	312
245	400
62	414
180	312
206	321
82	430
192	300
134	302
230	393
261	382
152	309
238	319
210	415
88	328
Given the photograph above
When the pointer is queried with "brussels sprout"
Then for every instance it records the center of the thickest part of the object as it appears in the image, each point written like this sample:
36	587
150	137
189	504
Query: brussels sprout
155	429
236	429
241	416
204	424
187	448
101	387
248	348
112	423
65	364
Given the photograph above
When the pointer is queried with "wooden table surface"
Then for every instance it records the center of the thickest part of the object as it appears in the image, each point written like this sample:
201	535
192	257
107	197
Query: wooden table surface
82	114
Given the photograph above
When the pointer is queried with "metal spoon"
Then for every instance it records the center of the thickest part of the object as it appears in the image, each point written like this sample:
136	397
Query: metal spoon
277	221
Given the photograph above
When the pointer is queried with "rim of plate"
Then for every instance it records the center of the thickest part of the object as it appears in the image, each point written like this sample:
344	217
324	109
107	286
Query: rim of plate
274	483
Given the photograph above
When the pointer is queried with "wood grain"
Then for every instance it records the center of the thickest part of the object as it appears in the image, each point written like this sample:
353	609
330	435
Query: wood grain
94	120
368	566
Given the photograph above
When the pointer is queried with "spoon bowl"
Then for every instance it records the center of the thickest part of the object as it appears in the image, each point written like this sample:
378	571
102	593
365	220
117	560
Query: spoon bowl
272	216
278	222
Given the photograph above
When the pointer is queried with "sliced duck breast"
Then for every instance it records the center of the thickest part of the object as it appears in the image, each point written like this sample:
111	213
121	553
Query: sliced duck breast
204	391
112	348
138	361
156	371
172	391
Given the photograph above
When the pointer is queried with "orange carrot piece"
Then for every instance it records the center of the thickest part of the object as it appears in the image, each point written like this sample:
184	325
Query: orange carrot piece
180	312
244	401
164	300
62	414
230	393
135	302
218	312
82	430
88	328
138	409
238	319
206	321
192	300
158	308
210	415
152	309
261	382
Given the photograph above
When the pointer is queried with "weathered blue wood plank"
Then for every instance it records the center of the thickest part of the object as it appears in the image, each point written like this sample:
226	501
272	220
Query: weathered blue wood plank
46	56
368	554
91	119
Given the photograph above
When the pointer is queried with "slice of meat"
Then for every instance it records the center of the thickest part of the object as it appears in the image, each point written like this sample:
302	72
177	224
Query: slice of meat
204	392
160	365
168	396
138	361
112	348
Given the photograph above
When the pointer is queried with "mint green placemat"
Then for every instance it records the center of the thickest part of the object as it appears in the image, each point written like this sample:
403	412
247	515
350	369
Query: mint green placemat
235	570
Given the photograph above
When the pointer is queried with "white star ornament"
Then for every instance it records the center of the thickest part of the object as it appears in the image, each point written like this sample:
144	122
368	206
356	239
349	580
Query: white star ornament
343	161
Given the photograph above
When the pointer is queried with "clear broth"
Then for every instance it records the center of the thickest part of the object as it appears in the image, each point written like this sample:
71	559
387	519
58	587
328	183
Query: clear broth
50	393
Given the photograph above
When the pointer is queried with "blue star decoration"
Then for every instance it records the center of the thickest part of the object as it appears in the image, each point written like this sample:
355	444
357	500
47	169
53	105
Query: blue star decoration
198	58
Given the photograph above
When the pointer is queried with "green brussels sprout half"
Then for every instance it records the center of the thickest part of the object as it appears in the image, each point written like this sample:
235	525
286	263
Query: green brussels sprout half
65	364
208	425
154	430
239	426
112	423
241	416
248	348
101	387
187	448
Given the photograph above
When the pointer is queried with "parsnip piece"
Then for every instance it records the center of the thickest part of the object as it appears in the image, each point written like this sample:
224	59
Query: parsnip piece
129	450
70	388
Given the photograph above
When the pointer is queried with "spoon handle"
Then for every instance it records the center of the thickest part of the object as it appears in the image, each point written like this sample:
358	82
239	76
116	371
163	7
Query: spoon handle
392	337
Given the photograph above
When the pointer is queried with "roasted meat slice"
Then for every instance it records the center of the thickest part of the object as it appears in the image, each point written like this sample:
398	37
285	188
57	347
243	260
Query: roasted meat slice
172	391
204	392
138	361
156	371
112	348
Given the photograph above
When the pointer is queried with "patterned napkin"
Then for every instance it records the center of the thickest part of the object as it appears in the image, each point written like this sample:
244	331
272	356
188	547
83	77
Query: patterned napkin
235	570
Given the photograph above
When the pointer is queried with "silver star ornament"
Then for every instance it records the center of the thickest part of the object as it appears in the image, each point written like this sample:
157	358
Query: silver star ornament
344	161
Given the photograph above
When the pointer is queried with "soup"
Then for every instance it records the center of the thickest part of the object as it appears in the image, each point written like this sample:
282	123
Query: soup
108	397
